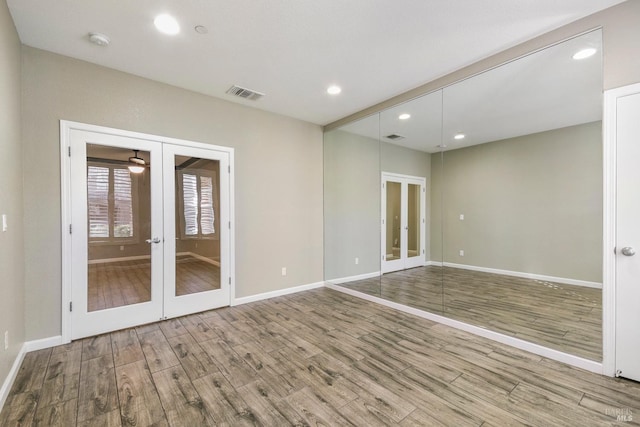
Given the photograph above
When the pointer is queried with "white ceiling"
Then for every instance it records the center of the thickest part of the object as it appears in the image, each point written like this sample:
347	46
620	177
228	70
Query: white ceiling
293	49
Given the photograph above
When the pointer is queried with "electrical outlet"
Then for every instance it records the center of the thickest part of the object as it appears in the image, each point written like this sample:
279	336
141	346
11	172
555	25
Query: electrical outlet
121	247
461	252
461	217
284	271
6	340
357	261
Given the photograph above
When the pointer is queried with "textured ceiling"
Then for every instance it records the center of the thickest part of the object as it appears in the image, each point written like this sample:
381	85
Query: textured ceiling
293	49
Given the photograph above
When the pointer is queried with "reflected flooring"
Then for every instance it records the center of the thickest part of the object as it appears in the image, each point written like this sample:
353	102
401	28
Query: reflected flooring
318	357
563	317
115	284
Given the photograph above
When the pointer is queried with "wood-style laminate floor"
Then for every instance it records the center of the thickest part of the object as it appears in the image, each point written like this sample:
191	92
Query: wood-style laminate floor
314	358
115	284
563	317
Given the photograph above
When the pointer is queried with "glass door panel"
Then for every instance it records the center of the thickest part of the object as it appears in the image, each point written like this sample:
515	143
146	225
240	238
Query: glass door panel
414	248
393	224
197	226
196	229
119	223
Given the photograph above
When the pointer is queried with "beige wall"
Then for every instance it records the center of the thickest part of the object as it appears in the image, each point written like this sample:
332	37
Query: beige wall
11	193
351	205
278	171
531	204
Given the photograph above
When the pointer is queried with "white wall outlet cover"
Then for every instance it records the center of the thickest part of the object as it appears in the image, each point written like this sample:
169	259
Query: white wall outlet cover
4	222
461	217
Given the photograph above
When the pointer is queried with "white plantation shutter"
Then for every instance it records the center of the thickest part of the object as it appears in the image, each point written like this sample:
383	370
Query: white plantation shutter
122	204
98	201
110	203
190	201
207	216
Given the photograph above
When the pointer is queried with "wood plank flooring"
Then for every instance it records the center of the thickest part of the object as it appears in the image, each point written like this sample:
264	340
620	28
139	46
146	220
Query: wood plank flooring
563	317
120	283
314	358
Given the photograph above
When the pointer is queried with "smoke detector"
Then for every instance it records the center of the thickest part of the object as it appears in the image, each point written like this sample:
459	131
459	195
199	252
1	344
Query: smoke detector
99	39
245	93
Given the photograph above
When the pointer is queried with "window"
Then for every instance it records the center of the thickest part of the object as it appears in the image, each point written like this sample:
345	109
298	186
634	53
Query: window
110	198
198	204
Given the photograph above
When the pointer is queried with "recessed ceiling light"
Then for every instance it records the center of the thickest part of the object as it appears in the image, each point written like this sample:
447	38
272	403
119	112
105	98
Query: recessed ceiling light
167	24
585	53
459	136
404	116
99	39
334	90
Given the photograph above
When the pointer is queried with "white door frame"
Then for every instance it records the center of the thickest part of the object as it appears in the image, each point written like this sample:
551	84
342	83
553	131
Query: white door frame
66	214
403	261
609	225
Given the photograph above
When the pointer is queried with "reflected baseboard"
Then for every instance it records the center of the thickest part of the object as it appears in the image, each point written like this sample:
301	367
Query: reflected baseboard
348	279
540	277
569	359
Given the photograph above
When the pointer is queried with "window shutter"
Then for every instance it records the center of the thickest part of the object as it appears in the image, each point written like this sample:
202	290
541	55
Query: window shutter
206	206
98	201
190	200
122	204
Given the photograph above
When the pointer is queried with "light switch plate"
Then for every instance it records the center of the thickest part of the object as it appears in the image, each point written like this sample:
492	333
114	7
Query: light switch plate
4	222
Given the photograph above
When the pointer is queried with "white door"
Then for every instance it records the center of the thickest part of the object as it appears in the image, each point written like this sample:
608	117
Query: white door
403	222
196	229
116	233
628	237
150	244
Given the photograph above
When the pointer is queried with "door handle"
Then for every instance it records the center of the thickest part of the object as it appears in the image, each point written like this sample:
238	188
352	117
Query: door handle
154	240
628	251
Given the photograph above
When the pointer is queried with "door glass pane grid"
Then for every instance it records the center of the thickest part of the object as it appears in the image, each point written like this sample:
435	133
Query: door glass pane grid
413	221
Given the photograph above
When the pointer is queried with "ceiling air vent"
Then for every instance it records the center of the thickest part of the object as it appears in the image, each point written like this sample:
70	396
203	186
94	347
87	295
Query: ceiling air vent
394	137
245	93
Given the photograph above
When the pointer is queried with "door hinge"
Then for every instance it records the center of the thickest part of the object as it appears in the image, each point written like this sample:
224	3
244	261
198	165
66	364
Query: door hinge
229	225
229	169
70	229
69	151
70	305
423	252
229	279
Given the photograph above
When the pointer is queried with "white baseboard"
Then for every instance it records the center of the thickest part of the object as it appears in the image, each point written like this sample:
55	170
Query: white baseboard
43	343
533	276
26	348
278	293
11	377
201	258
557	355
354	278
125	258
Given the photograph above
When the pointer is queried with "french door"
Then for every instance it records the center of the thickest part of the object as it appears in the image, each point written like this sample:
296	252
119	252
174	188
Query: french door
149	230
403	221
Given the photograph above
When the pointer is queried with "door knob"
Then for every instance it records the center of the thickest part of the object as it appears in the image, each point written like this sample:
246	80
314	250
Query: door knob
628	251
154	240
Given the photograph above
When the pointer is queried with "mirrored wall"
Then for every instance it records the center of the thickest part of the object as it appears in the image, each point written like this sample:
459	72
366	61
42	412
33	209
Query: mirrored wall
481	201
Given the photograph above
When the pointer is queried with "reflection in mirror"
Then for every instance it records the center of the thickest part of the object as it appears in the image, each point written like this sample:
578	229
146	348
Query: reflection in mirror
512	167
522	209
352	205
410	134
118	222
197	225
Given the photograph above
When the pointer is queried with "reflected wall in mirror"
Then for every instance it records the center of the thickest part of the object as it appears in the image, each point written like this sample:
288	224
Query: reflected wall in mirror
409	135
522	199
